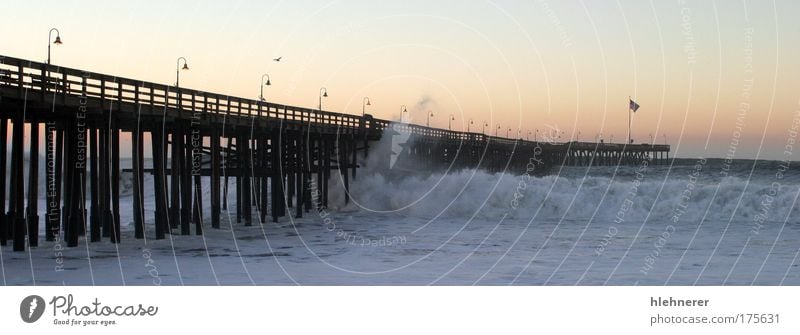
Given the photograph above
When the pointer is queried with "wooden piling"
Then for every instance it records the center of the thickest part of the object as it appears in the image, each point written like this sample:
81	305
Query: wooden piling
137	166
76	179
33	186
105	179
196	165
278	200
17	182
4	223
215	187
228	151
263	152
159	187
246	168
298	174
51	206
174	177
94	219
343	160
115	177
238	178
184	166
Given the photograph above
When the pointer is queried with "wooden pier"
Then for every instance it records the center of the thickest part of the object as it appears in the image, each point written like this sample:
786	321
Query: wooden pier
281	157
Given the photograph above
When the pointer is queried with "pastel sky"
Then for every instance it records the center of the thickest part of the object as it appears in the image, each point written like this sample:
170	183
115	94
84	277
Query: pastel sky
693	66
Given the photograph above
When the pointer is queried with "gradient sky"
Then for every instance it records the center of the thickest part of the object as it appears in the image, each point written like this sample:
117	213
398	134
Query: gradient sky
520	64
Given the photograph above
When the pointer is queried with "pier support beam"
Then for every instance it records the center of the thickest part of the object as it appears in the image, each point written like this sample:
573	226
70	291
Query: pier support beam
115	177
263	152
277	182
159	186
215	187
4	219
51	206
137	167
94	219
17	192
33	186
174	178
245	173
184	171
196	147
105	179
75	172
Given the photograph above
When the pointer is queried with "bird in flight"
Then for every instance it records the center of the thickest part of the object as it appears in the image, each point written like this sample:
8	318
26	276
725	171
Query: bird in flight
277	59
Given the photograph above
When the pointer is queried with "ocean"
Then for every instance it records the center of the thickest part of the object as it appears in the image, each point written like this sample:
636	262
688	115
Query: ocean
694	222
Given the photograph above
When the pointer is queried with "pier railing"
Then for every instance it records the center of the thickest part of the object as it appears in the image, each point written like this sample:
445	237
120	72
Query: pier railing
59	83
62	82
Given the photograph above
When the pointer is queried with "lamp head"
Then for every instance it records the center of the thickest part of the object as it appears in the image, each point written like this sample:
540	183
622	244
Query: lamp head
185	66
268	83
368	103
325	95
58	40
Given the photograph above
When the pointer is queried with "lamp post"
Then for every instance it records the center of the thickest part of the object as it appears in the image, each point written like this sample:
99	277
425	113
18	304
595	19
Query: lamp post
536	135
403	111
364	104
612	138
261	96
323	93
651	139
468	124
178	69
579	136
485	124
496	130
450	122
428	123
508	131
50	38
528	137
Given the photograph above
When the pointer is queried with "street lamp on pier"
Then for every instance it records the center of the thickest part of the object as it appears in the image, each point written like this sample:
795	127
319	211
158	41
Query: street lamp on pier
56	42
364	104
263	76
323	93
178	69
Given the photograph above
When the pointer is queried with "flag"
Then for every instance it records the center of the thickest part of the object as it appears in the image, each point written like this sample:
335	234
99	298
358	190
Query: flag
633	105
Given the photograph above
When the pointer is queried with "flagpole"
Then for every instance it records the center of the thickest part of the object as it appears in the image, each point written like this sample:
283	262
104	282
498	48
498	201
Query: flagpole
629	120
